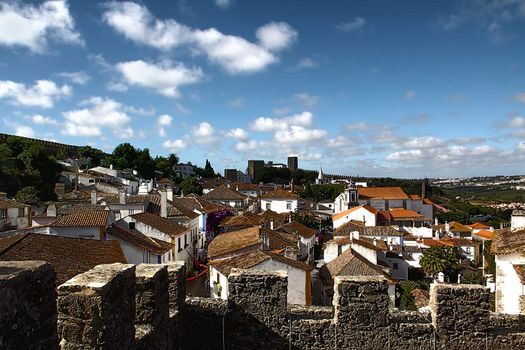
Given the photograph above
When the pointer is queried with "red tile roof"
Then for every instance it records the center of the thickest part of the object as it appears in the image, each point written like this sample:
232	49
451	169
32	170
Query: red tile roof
224	193
279	193
93	218
161	224
10	203
140	240
485	234
230	242
300	229
401	213
478	225
382	193
68	256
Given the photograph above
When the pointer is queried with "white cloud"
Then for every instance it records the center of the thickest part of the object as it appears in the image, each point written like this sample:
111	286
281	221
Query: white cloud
299	134
305	100
233	53
117	86
223	4
42	94
306	63
271	124
237	102
42	120
420	142
204	134
410	95
519	97
237	133
246	146
175	146
80	78
163	121
163	78
24	131
98	113
405	156
355	25
32	26
276	36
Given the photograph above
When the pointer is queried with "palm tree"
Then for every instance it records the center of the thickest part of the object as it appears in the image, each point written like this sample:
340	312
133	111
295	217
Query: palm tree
438	259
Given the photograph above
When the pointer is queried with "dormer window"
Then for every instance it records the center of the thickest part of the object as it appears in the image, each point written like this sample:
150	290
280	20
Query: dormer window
131	225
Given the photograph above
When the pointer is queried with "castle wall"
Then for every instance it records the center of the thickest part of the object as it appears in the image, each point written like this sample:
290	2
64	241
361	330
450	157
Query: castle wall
120	306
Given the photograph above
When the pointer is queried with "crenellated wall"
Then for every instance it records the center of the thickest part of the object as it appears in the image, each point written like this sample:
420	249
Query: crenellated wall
121	306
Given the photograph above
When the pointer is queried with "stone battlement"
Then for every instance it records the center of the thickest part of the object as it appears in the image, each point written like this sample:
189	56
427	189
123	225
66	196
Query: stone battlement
120	306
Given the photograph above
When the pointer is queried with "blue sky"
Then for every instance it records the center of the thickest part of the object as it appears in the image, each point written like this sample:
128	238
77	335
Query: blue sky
377	88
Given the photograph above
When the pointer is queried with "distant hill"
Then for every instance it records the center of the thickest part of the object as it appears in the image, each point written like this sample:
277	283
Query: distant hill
51	147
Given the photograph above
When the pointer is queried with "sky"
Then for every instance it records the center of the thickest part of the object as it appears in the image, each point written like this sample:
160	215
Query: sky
371	88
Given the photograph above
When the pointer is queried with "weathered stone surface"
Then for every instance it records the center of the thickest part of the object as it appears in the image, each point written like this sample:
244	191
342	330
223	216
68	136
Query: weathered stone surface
116	307
28	313
96	309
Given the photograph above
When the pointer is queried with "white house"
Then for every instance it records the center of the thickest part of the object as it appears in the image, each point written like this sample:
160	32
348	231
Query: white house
363	213
227	196
13	215
299	274
139	248
165	230
90	224
279	201
129	182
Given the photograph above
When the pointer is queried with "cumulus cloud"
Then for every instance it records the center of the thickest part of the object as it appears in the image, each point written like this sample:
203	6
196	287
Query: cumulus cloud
420	142
97	114
80	78
276	36
175	146
164	78
271	124
233	53
25	131
42	94
204	133
297	134
42	120
33	26
355	25
163	121
246	146
237	133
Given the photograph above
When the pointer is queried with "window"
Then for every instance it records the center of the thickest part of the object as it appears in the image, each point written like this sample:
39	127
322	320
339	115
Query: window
179	246
3	213
20	212
268	205
395	266
404	204
387	204
131	225
289	205
368	202
185	240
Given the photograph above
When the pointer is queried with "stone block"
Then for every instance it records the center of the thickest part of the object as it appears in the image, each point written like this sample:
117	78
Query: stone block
28	313
96	309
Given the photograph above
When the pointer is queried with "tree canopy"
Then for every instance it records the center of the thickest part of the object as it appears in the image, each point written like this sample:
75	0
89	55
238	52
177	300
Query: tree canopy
190	185
439	259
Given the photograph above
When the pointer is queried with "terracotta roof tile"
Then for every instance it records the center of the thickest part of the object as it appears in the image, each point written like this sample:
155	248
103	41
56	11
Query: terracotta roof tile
382	193
351	210
240	220
93	218
302	230
520	271
279	193
376	231
244	261
11	203
68	256
195	202
508	242
485	234
75	208
138	239
457	227
230	242
224	193
478	225
401	213
269	215
162	224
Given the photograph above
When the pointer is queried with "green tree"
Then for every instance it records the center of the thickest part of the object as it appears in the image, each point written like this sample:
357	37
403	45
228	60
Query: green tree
144	164
28	195
439	259
190	185
94	156
474	278
124	156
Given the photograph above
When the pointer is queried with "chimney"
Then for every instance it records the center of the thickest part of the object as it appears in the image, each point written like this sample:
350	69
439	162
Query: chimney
122	196
94	197
111	166
169	192
375	242
290	219
447	227
163	203
271	224
423	189
3	195
51	211
436	221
